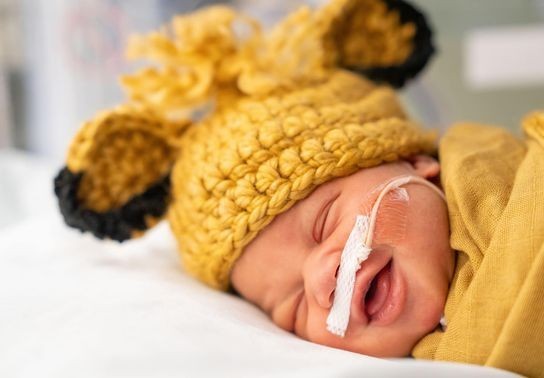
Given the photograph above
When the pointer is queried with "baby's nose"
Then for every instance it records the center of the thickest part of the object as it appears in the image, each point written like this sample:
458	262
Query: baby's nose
320	279
325	294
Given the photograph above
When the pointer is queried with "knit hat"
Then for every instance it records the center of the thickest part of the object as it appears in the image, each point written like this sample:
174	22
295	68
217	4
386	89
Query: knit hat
234	125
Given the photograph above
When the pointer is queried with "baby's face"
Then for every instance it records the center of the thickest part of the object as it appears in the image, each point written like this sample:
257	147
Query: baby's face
289	270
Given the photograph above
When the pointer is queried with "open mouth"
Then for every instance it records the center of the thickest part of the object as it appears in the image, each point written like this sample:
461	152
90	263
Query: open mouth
378	292
381	297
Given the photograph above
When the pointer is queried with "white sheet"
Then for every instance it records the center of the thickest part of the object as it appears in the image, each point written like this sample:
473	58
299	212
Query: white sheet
72	306
26	187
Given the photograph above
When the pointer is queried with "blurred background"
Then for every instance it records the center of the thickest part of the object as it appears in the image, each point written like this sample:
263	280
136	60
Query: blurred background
60	59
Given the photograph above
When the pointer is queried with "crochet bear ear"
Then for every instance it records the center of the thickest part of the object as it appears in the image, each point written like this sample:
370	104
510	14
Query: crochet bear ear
116	181
384	40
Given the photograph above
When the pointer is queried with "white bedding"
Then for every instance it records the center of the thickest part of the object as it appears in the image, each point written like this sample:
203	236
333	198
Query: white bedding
72	306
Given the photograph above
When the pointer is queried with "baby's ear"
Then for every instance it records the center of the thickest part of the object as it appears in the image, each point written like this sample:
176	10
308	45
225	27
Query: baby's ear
426	166
116	181
385	40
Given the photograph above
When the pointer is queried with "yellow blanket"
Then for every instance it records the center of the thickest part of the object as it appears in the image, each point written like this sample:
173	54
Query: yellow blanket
494	183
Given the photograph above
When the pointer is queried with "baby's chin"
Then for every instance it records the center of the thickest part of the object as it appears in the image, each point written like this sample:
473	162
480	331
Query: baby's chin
386	346
395	341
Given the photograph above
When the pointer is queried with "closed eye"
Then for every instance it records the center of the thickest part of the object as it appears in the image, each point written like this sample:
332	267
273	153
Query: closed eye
321	220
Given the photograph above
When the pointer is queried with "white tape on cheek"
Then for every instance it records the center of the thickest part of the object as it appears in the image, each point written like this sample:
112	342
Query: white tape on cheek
400	194
354	253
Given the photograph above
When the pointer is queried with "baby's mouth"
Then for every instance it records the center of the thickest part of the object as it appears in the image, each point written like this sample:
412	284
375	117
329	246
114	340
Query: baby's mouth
378	292
384	297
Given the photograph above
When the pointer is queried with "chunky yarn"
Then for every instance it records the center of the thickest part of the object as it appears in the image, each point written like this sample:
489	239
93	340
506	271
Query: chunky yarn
245	123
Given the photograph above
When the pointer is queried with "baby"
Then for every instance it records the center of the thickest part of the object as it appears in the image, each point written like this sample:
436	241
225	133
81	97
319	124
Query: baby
289	269
290	174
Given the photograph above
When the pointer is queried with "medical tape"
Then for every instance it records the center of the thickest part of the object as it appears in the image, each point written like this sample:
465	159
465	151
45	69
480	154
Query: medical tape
356	250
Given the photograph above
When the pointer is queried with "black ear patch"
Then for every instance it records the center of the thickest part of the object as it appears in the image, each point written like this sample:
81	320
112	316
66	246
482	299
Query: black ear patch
423	50
117	224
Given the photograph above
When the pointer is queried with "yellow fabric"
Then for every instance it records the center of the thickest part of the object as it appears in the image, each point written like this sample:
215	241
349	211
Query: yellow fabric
250	122
217	49
494	185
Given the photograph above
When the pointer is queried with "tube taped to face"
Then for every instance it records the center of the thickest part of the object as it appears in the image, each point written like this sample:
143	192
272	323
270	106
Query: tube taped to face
357	250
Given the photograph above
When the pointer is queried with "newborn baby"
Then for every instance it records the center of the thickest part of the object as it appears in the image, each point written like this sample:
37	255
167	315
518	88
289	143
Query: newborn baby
290	268
289	172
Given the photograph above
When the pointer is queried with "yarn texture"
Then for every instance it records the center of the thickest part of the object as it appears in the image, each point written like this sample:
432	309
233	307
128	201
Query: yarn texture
245	122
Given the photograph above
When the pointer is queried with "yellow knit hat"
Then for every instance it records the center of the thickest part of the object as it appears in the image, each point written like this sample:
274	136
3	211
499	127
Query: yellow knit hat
235	125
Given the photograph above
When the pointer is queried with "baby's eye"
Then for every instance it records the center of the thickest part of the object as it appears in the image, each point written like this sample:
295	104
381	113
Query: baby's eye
321	221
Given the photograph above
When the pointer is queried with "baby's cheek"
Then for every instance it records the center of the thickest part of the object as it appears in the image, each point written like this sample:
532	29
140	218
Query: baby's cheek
428	314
